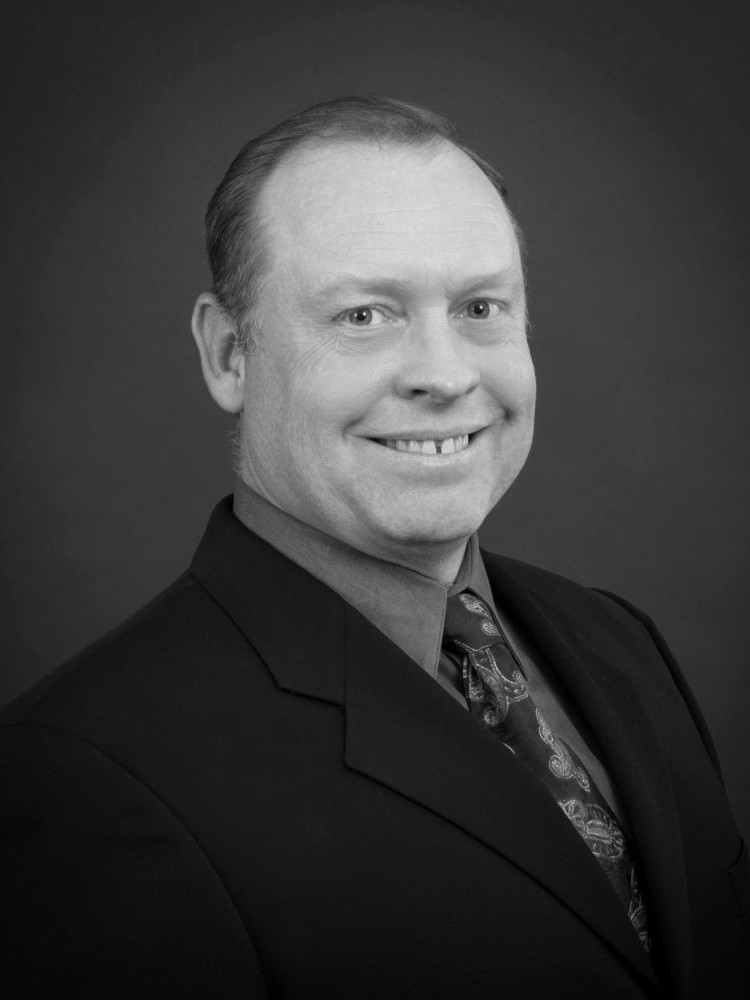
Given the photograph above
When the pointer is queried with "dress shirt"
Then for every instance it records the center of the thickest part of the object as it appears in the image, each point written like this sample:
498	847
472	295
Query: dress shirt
409	608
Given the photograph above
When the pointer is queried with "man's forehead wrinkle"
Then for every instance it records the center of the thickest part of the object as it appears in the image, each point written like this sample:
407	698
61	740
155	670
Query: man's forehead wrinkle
485	238
329	178
385	225
385	253
346	282
457	226
386	220
410	205
355	241
463	206
486	254
380	261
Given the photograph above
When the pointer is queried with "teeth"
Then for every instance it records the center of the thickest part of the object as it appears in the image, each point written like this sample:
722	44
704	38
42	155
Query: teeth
446	446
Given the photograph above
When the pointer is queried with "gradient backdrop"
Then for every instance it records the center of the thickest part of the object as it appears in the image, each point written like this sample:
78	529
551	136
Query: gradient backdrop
622	131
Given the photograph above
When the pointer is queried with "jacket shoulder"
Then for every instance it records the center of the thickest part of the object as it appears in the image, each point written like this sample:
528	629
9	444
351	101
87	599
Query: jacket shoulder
606	617
562	590
156	649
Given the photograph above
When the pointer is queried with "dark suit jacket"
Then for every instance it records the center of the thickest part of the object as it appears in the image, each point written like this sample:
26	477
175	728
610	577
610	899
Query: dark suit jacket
247	790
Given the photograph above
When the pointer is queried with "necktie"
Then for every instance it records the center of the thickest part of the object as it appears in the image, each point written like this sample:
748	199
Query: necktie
497	692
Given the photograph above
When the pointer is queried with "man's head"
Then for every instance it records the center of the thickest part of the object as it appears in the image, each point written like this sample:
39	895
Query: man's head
380	270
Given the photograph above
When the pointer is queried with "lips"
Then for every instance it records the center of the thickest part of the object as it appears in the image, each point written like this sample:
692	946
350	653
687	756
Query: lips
430	442
427	446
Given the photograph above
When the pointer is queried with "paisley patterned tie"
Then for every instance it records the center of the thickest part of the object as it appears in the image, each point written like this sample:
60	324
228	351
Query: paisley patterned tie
497	692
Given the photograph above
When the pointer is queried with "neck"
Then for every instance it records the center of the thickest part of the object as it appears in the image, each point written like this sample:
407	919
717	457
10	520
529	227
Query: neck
439	561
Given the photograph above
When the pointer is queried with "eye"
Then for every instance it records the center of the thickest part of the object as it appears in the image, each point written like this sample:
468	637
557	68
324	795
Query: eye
480	309
364	316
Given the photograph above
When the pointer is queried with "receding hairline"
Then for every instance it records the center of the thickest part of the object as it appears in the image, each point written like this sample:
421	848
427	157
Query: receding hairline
430	147
428	144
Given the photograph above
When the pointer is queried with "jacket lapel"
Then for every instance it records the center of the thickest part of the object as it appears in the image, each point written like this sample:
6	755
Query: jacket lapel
402	729
599	673
283	611
407	733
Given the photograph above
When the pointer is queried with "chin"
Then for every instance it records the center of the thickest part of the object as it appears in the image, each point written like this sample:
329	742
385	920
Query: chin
427	527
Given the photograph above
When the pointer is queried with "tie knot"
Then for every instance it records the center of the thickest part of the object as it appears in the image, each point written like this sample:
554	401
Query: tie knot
469	622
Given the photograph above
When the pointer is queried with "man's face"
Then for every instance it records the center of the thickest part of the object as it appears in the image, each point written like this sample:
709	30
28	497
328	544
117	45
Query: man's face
390	398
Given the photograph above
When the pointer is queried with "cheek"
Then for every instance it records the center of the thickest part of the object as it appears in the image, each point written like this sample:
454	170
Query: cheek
513	384
314	414
330	393
528	388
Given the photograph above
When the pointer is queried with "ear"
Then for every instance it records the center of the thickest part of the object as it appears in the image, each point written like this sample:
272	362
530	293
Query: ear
222	361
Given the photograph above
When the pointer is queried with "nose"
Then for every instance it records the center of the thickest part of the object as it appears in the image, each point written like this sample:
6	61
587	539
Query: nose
436	363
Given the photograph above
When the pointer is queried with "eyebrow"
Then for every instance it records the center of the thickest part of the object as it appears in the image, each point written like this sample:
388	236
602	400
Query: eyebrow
345	282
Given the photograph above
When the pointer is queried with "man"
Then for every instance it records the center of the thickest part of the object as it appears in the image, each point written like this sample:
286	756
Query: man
347	754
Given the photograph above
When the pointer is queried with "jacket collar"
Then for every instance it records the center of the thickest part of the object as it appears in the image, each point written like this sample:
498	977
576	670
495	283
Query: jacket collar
433	752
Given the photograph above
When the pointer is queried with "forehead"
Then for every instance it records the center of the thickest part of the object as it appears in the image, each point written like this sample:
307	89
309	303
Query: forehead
380	211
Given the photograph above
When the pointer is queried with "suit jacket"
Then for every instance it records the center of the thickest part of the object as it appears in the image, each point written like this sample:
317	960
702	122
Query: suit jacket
248	791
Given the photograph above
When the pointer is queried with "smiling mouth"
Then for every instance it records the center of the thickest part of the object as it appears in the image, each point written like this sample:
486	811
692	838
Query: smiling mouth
427	446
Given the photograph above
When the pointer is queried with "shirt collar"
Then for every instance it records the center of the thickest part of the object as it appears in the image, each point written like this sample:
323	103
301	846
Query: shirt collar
405	605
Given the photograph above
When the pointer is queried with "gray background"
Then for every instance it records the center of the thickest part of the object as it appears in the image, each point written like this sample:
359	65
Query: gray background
622	131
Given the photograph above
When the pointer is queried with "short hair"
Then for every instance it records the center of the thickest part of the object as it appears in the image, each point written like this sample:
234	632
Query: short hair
235	236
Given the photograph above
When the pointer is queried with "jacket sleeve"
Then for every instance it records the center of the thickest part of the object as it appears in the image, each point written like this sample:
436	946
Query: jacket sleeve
104	892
